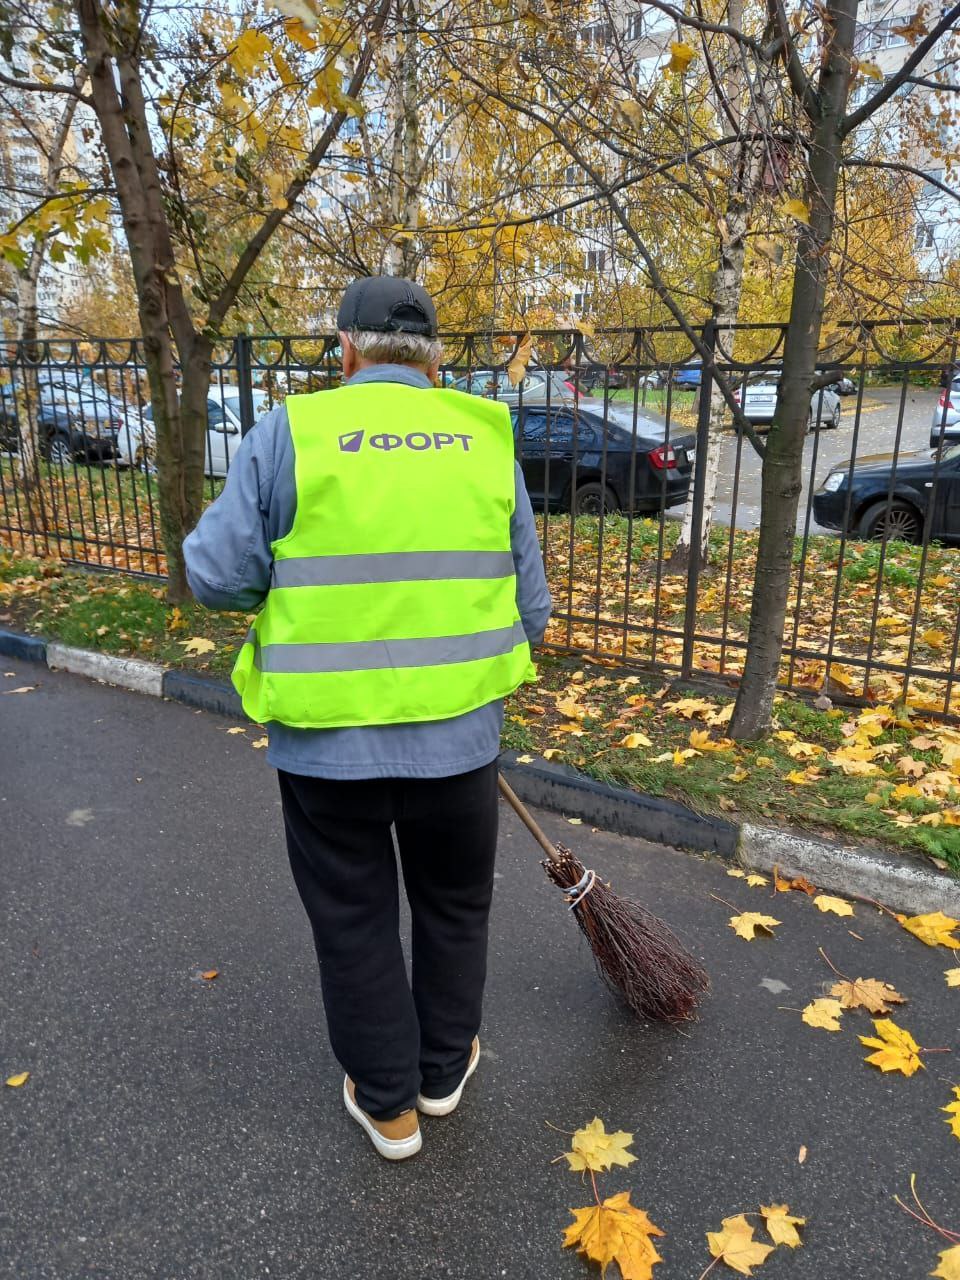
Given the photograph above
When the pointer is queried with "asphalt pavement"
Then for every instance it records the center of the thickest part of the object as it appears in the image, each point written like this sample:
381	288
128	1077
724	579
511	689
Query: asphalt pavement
175	1129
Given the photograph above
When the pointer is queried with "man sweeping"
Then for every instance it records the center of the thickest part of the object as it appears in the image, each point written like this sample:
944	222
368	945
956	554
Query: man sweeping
385	527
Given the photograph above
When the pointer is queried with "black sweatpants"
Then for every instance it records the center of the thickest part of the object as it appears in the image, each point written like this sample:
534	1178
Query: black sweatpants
394	1037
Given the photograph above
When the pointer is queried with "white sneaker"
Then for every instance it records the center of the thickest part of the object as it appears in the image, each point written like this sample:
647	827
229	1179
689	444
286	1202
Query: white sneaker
394	1139
443	1106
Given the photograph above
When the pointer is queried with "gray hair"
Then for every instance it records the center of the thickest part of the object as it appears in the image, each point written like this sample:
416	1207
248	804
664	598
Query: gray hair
395	348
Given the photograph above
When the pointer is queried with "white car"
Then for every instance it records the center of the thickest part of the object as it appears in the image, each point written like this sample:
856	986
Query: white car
761	403
223	423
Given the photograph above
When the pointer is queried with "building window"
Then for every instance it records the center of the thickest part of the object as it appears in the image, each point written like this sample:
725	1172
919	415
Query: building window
570	175
599	34
635	27
581	301
925	237
596	259
446	149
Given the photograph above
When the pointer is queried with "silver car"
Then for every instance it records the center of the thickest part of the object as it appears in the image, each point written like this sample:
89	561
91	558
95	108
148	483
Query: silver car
946	416
537	387
760	404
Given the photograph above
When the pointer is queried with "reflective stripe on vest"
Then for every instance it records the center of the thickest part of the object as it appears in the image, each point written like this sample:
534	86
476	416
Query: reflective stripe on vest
393	596
391	566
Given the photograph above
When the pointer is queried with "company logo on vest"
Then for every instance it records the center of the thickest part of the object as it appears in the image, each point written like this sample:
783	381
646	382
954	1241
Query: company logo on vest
351	441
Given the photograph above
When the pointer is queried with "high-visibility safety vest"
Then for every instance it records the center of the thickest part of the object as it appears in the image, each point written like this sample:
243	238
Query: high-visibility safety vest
393	596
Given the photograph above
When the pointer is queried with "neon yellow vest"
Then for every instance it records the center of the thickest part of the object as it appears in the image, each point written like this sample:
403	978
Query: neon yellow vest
393	597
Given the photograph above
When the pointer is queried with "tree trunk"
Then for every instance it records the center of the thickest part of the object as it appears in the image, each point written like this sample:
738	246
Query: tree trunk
782	464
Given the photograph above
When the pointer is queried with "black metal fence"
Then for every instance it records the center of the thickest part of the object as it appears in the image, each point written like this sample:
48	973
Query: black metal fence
618	435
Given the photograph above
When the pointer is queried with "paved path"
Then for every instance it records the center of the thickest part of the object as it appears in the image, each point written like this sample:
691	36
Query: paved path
180	1130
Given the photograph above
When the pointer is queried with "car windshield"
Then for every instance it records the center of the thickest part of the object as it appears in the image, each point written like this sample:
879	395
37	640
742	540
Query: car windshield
260	403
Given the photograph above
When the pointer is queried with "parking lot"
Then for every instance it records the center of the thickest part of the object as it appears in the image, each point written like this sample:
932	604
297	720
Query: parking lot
825	450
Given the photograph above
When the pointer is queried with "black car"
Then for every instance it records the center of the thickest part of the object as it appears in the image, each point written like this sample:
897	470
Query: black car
910	486
608	454
62	438
596	378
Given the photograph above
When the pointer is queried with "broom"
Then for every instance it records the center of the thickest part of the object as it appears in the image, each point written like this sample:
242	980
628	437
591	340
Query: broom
637	955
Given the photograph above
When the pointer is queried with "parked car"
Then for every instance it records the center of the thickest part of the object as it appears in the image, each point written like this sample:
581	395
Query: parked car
945	427
551	440
845	386
688	376
909	485
61	437
595	378
223	423
88	402
536	386
760	403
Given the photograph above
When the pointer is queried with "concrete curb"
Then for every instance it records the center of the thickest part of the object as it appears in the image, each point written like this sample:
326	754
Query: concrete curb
128	673
899	881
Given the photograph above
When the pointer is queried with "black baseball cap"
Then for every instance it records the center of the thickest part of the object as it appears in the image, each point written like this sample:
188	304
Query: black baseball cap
387	304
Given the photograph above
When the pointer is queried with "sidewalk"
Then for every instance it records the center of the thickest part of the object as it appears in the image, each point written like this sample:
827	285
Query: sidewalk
176	1129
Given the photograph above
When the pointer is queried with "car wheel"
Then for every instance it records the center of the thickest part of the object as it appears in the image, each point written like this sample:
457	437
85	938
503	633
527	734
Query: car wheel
835	419
593	499
810	423
59	451
900	522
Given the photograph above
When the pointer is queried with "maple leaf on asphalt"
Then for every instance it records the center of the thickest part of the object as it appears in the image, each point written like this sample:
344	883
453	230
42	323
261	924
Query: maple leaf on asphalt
949	1268
935	929
747	923
736	1246
953	1113
952	976
781	1225
823	1013
615	1231
867	993
839	906
896	1049
594	1148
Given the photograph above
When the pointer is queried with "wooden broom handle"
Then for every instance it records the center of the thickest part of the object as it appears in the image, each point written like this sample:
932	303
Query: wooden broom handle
527	818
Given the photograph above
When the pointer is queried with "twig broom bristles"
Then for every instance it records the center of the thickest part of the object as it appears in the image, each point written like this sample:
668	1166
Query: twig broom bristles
635	952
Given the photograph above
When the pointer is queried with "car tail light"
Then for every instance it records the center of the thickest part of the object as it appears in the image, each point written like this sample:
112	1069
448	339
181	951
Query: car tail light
572	386
663	457
945	401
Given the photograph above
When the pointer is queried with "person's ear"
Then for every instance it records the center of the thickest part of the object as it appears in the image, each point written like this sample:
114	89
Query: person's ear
349	360
433	370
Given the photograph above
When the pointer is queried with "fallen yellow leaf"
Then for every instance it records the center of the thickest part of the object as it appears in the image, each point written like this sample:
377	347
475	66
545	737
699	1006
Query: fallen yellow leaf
237	729
949	1268
935	929
615	1231
16	1081
797	778
781	1225
866	993
823	1013
838	906
575	822
551	752
634	740
524	759
896	1049
736	1246
260	743
571	708
953	1113
801	1155
594	1148
24	688
746	924
197	645
754	879
738	775
210	974
737	873
952	976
